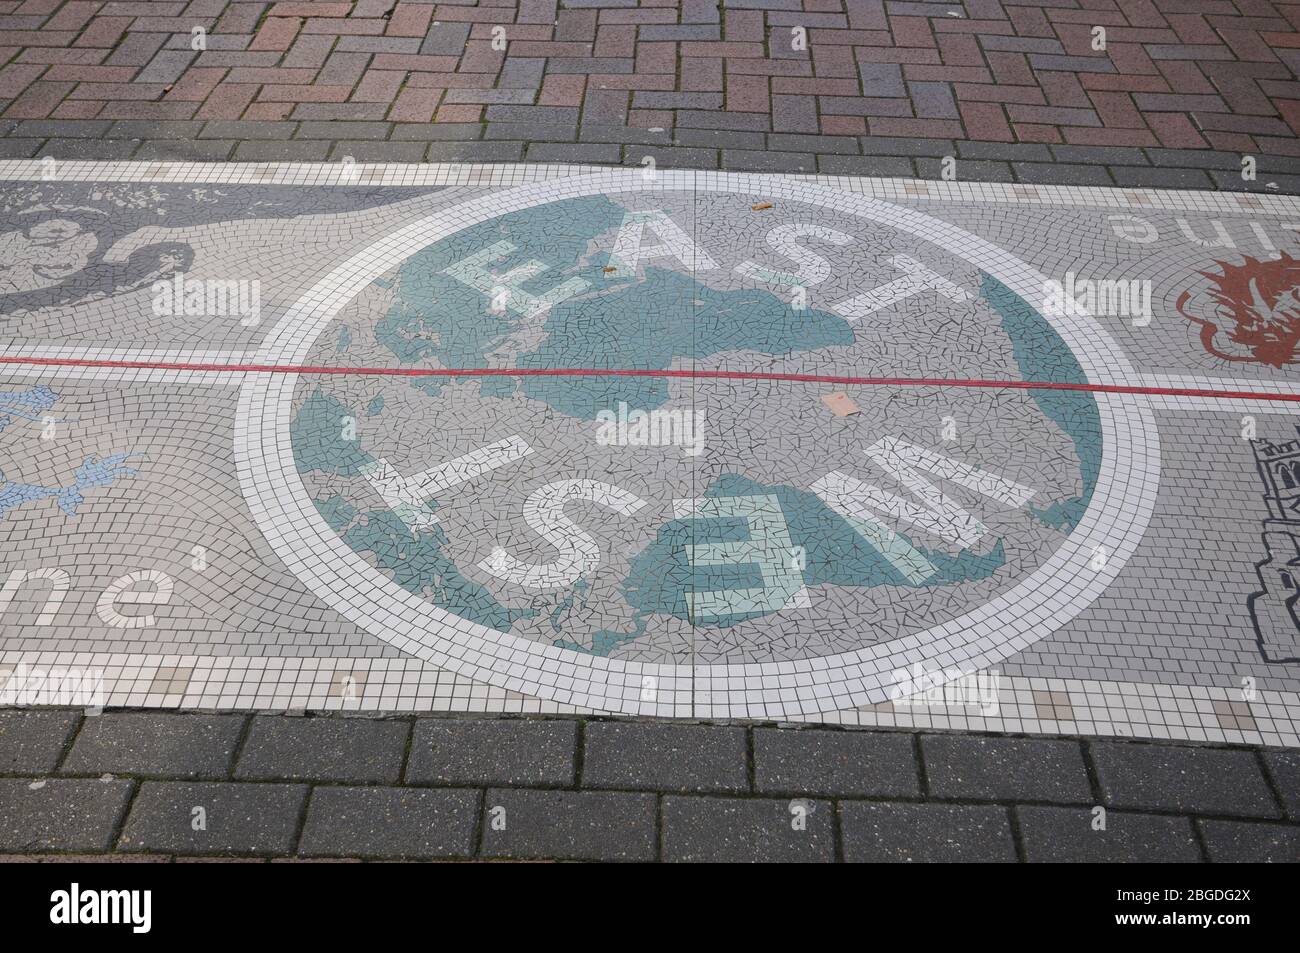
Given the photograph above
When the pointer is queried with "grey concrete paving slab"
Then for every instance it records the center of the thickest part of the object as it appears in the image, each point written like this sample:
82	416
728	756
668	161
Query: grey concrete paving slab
176	817
843	764
653	757
569	825
1155	777
734	830
390	823
343	749
1004	769
1243	843
33	741
1066	835
1284	770
159	745
925	833
522	753
60	814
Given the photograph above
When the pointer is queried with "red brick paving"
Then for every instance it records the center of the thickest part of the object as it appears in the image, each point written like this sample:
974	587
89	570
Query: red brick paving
1182	90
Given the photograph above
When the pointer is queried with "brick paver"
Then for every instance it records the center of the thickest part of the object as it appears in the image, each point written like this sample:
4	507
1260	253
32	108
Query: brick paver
526	789
1176	97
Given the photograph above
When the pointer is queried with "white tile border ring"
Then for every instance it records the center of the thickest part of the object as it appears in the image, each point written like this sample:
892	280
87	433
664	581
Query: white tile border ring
1054	593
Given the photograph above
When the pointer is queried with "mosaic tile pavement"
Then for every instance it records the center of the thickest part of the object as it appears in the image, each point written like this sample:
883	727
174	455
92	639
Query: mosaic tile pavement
680	444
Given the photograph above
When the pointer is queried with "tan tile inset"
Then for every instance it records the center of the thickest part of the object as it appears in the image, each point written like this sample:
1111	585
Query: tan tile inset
484	178
840	404
1053	706
1234	716
1249	201
170	681
1137	198
884	708
348	685
916	188
1026	192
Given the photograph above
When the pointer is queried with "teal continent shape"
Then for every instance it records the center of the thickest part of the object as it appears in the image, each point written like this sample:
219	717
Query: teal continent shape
642	322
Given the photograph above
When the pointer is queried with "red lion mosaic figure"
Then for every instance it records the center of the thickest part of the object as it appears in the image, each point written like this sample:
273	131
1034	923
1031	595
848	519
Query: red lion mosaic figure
1256	305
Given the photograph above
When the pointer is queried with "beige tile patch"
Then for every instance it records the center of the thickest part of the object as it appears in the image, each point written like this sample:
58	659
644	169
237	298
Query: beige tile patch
1234	716
170	681
1053	706
840	403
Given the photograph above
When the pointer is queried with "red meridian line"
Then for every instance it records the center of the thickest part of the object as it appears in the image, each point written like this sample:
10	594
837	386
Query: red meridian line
637	372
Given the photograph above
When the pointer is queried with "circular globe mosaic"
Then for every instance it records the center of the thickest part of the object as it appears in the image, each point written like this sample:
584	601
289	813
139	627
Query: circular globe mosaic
636	446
